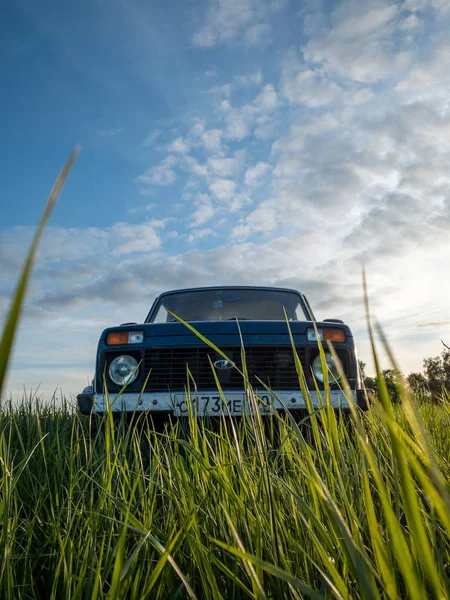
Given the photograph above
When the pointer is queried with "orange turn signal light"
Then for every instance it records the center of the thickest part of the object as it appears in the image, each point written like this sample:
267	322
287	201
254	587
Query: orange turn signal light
117	337
333	335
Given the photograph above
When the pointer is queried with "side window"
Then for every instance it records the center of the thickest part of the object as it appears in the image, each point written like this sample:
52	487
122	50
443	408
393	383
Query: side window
162	316
299	313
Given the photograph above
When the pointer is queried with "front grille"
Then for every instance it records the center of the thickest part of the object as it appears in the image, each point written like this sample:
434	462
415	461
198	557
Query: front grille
274	365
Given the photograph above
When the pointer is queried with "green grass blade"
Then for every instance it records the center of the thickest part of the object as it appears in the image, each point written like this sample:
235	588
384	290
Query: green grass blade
295	582
12	320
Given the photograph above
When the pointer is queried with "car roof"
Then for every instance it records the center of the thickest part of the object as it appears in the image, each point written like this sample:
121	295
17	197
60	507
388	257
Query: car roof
230	287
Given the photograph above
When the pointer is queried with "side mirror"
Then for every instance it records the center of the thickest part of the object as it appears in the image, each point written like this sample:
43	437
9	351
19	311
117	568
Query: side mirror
333	321
123	324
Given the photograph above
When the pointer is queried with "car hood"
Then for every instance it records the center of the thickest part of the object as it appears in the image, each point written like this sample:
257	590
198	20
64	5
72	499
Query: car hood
232	328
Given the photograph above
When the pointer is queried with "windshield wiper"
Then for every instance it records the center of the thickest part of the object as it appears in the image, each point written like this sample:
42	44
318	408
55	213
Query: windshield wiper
239	319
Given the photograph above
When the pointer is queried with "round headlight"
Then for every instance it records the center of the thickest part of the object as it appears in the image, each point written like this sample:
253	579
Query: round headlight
123	369
331	366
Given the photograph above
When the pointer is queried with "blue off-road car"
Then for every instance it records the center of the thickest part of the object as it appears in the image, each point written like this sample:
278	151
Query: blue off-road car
155	363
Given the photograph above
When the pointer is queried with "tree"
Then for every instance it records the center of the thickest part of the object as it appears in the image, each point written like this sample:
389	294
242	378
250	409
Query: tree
430	384
392	378
437	372
362	369
418	384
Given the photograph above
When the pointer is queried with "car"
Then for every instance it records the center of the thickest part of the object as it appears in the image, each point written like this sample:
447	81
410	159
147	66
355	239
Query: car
151	366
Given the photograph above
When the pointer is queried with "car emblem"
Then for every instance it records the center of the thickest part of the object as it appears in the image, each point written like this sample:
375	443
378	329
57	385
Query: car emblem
223	364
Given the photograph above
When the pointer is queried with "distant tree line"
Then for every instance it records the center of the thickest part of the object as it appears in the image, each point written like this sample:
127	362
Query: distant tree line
428	385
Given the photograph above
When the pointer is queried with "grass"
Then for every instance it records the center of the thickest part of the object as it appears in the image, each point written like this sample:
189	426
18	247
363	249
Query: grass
211	513
328	508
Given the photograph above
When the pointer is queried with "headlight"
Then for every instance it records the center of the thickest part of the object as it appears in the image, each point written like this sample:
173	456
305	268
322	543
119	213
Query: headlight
331	366
123	369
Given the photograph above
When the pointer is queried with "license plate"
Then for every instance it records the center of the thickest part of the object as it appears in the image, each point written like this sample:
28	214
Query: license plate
210	405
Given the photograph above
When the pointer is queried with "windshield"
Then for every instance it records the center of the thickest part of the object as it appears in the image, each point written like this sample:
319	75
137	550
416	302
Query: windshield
227	304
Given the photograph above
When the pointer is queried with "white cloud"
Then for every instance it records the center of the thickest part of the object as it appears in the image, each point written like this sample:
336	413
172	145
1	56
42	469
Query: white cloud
211	139
267	100
195	167
179	145
254	176
240	121
262	220
227	20
227	167
198	137
351	162
300	85
238	124
267	129
223	189
152	138
197	129
238	202
136	210
358	97
258	34
441	5
203	213
163	174
252	79
363	42
71	258
227	89
224	90
416	5
430	79
135	238
410	22
355	19
200	234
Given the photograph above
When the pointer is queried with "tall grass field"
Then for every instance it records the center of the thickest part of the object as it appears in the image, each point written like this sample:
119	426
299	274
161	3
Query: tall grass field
332	506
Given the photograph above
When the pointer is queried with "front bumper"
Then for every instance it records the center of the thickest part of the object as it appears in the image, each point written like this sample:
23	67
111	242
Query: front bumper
158	402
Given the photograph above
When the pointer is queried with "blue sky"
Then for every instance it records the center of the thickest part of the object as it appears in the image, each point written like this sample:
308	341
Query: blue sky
224	141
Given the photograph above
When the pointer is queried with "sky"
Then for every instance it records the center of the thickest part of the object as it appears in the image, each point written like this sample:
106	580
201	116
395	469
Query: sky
261	142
